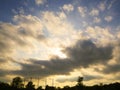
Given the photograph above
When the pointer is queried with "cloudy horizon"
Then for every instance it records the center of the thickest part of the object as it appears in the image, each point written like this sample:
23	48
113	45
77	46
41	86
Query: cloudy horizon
61	40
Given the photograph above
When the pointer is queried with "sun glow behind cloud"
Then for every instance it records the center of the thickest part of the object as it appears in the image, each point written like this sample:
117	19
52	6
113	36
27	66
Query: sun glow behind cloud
57	52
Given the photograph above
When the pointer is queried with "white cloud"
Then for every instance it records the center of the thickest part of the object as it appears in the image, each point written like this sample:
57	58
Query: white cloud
102	6
39	2
28	29
82	11
55	24
9	38
94	12
58	28
108	18
68	7
96	20
102	36
29	25
58	32
23	39
62	15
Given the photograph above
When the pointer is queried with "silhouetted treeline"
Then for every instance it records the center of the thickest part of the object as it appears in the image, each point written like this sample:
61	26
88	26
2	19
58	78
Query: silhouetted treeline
18	84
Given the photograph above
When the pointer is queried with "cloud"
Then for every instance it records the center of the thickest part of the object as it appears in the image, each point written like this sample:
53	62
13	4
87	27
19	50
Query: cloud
91	77
88	48
54	34
28	32
7	65
108	18
55	24
102	6
76	53
39	2
82	11
76	58
94	12
18	11
110	69
111	4
88	74
67	79
102	36
2	60
43	68
3	73
62	15
97	52
29	26
18	37
96	20
113	65
68	7
59	29
9	38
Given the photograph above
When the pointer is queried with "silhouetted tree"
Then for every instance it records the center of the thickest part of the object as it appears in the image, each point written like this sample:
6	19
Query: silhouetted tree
49	88
17	82
58	88
80	81
30	86
66	88
4	86
17	85
39	88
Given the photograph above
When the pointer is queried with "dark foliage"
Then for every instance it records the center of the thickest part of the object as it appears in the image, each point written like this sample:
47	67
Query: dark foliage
17	85
30	86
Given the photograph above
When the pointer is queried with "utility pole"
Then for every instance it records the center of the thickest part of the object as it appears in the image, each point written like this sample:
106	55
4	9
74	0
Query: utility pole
24	82
31	79
52	82
38	81
45	82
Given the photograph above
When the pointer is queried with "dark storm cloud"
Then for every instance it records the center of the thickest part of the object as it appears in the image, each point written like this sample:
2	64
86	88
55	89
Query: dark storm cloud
111	69
83	54
65	79
91	77
86	52
45	68
3	73
74	79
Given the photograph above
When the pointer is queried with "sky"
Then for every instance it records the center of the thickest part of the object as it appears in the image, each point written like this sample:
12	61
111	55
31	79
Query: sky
60	40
